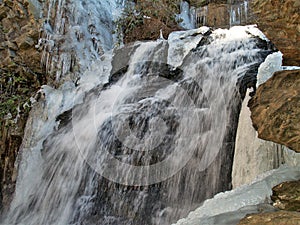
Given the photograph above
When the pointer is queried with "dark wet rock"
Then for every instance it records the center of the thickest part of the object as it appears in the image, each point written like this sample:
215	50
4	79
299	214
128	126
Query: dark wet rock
64	118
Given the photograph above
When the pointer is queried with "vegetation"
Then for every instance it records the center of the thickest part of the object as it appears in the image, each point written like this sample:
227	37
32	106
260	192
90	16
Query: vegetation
15	90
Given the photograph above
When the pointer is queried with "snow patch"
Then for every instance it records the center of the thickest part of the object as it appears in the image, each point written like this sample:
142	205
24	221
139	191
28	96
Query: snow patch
269	67
256	193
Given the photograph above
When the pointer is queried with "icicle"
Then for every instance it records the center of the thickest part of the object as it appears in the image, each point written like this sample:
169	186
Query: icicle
161	36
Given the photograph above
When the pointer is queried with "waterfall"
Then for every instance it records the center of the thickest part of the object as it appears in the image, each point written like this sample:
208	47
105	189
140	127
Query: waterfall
143	141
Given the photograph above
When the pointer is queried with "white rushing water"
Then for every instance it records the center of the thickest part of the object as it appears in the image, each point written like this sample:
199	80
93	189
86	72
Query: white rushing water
149	133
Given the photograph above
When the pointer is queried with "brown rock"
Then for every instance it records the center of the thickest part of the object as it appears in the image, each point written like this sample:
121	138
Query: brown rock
3	12
13	33
9	44
149	30
6	24
199	3
25	42
8	3
20	69
279	20
213	15
275	109
286	196
28	29
274	218
297	3
220	14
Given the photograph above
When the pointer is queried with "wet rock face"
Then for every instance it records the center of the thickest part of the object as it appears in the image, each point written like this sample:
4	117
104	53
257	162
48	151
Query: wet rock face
286	196
275	109
275	218
279	20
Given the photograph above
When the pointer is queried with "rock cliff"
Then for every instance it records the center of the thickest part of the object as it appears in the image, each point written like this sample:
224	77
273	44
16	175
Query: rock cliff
21	75
279	20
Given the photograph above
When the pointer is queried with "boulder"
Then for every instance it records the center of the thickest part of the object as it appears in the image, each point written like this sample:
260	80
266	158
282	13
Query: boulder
279	21
275	109
286	196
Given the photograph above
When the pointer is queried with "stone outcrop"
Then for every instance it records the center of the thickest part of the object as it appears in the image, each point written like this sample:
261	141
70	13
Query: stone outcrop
279	20
273	218
21	75
286	196
19	35
275	109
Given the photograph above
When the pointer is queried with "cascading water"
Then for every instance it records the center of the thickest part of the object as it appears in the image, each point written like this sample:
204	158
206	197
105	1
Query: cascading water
150	142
